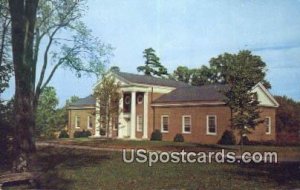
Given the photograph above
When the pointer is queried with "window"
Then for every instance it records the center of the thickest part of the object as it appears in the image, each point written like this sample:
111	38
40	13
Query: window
186	124
211	125
140	99
89	122
268	125
164	123
139	120
77	122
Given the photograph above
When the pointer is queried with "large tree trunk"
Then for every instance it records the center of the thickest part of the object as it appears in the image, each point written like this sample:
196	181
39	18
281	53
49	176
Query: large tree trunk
23	16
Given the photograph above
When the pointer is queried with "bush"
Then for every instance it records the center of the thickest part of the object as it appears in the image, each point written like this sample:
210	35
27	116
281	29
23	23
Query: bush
63	134
245	141
82	134
156	135
178	138
227	138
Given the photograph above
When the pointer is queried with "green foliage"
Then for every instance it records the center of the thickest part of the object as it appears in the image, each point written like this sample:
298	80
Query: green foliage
241	73
183	74
156	135
63	134
5	46
287	115
115	69
227	138
244	61
152	66
178	138
108	94
82	134
46	115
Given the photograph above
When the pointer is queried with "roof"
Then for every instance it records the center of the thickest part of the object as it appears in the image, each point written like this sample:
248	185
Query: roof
149	80
87	101
194	93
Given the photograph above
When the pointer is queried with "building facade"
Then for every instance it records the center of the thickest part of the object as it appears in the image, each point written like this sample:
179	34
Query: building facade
149	103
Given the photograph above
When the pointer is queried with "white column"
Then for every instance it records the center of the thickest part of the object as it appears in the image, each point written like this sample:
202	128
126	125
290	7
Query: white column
97	122
133	115
120	125
145	129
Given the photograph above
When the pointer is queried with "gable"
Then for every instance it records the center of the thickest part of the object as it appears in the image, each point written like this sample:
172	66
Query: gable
264	97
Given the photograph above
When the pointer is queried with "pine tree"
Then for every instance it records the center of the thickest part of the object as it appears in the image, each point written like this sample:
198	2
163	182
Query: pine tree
152	66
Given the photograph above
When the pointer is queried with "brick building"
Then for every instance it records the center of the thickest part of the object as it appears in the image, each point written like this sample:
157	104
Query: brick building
149	103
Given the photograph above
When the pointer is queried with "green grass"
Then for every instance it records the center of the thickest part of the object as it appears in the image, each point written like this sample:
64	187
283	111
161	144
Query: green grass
289	152
78	169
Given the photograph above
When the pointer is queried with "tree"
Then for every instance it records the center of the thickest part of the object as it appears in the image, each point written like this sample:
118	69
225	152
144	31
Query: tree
287	115
34	22
201	76
152	67
222	65
108	95
5	46
115	69
46	116
183	74
243	103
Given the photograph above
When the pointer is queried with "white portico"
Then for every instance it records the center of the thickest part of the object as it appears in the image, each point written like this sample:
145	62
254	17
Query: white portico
134	106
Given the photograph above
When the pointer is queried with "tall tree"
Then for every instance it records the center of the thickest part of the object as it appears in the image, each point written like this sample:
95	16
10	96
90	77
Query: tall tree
239	96
46	116
34	22
152	66
108	94
222	65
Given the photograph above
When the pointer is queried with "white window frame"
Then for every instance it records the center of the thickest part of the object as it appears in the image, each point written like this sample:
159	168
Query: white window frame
162	123
183	124
76	122
89	117
269	126
139	127
207	125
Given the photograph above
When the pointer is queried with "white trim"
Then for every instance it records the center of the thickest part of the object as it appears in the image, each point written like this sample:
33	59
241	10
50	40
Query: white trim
183	124
76	120
133	115
187	104
269	95
145	130
207	125
138	118
89	118
162	123
269	126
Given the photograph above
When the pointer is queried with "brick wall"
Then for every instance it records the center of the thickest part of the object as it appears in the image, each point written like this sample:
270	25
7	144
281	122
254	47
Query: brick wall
199	123
83	114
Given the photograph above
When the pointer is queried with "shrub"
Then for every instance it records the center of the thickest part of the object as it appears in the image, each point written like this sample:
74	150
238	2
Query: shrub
5	144
178	138
82	134
227	138
245	140
63	134
156	135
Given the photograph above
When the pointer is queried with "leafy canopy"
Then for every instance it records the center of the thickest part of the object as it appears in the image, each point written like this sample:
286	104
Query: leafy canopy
152	66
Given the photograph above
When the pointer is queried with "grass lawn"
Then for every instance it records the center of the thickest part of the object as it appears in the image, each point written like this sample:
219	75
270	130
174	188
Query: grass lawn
284	152
83	169
80	169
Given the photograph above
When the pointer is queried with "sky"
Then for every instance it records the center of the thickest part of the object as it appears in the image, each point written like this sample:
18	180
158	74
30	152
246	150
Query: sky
190	33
